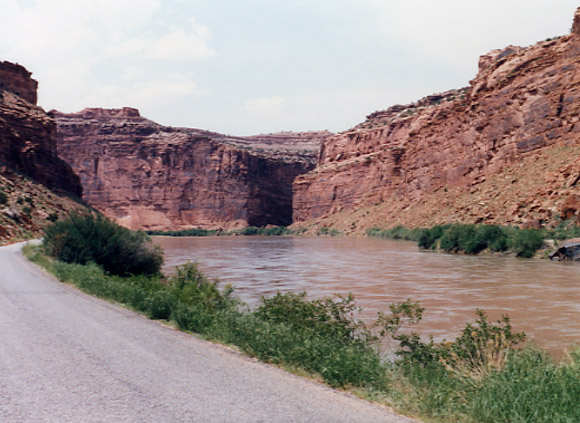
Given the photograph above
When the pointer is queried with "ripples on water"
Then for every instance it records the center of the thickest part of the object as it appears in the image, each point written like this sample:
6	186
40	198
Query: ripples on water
541	297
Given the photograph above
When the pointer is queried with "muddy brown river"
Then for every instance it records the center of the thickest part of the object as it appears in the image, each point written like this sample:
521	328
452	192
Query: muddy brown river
541	297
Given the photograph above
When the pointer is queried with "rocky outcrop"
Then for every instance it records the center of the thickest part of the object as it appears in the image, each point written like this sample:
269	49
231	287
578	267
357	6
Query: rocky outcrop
149	176
17	80
28	134
446	150
570	208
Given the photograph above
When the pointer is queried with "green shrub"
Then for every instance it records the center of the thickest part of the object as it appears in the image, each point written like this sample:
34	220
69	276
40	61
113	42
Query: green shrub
525	242
398	232
428	237
249	230
190	286
473	239
319	335
459	238
326	317
86	238
3	198
565	230
494	236
478	346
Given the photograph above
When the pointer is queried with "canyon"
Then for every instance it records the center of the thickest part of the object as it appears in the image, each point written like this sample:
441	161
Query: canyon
505	150
149	176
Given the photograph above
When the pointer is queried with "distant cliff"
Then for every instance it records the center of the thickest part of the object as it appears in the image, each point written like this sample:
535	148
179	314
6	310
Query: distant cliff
505	150
28	134
149	176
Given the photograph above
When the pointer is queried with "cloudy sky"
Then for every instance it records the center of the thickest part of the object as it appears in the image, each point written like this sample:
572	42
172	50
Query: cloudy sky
256	66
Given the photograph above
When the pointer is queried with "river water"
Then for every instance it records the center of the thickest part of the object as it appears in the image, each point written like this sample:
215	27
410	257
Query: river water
541	297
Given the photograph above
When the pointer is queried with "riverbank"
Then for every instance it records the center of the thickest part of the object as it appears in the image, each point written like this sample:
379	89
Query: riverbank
476	239
419	384
451	238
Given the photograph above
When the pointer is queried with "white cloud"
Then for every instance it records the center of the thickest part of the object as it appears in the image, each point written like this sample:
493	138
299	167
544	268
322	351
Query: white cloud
329	62
181	45
158	92
87	52
265	106
176	44
456	32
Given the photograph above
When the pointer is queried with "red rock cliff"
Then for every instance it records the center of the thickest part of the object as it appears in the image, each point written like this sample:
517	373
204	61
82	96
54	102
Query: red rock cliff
504	150
150	176
28	134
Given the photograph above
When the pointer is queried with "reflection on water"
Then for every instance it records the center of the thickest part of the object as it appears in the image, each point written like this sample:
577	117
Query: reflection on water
541	297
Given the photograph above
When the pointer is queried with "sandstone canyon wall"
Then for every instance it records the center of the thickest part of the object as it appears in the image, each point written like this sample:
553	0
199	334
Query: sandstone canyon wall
28	134
32	177
504	150
148	176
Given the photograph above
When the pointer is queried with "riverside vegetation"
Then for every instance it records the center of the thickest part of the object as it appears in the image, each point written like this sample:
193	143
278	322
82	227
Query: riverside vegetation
473	239
485	375
247	231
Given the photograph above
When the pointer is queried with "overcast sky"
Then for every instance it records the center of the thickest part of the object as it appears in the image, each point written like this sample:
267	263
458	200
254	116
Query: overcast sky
246	67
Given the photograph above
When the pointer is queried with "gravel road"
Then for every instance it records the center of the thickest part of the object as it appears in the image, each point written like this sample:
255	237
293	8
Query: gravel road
68	357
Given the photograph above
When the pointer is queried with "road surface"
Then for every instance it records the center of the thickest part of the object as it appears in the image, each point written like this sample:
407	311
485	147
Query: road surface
68	357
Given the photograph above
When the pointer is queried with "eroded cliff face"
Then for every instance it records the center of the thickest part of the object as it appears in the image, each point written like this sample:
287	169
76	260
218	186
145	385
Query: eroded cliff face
30	170
28	134
506	149
148	176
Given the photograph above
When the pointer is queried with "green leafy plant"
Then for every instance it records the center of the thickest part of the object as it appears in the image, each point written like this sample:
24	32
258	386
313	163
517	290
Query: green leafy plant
87	238
428	237
525	242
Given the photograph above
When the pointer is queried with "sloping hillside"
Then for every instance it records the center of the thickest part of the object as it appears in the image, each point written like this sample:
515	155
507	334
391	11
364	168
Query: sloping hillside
504	150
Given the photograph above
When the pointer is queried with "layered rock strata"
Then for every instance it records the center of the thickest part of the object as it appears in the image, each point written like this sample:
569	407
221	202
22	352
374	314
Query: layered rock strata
149	176
412	164
28	134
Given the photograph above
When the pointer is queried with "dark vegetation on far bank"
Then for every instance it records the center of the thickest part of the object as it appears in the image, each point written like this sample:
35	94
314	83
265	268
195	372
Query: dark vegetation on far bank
247	231
473	239
485	375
